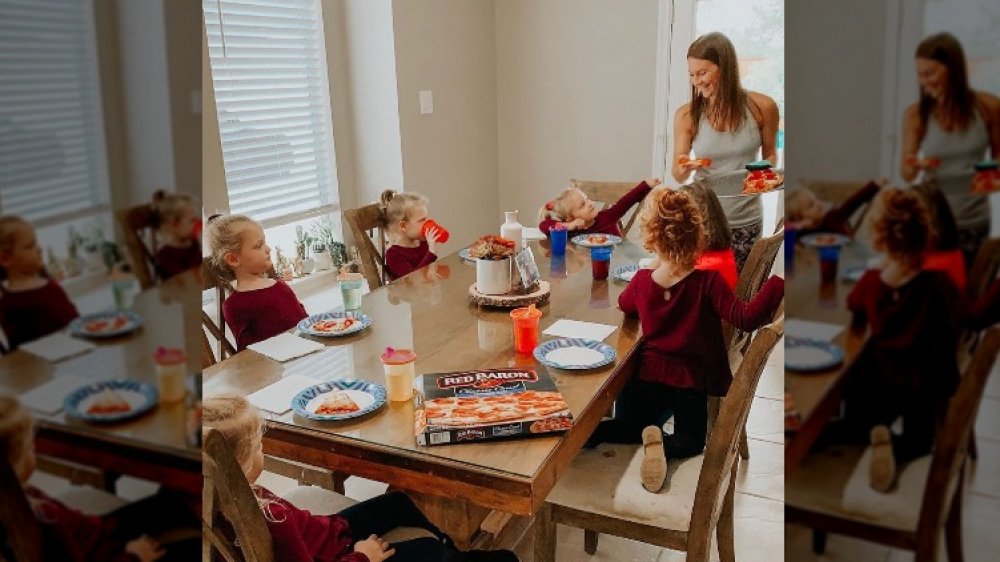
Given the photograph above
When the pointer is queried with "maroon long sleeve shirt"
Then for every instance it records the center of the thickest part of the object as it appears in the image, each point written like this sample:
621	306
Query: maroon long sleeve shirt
257	315
173	260
71	536
682	343
28	315
400	260
985	311
606	221
300	536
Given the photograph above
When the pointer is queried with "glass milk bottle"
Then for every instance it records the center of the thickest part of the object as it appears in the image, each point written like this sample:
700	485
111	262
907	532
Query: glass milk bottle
511	230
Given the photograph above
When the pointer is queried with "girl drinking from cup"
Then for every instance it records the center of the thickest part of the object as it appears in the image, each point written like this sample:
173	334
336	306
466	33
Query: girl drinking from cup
577	213
683	356
413	245
259	307
176	220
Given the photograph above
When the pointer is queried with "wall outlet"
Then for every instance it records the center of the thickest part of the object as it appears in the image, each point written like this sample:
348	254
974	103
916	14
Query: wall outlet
426	102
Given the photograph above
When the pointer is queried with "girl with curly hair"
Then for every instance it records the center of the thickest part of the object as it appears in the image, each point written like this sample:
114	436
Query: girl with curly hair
682	355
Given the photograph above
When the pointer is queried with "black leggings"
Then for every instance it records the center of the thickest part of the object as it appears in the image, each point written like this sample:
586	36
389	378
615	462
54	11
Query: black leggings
645	403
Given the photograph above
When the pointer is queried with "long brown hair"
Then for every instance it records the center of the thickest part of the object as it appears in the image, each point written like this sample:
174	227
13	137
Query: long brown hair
960	102
731	99
718	236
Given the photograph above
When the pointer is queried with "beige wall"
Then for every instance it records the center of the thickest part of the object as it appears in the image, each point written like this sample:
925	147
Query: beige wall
576	82
214	197
448	47
183	23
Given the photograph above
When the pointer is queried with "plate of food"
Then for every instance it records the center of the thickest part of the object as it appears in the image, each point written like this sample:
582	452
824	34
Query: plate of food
575	353
825	240
334	324
596	240
111	400
762	181
626	272
339	400
105	324
806	355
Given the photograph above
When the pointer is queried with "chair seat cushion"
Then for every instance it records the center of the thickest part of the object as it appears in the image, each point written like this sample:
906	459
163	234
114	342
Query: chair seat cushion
606	481
320	501
900	508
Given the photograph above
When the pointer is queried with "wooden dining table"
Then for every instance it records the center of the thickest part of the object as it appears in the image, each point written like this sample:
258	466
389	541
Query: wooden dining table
153	446
817	395
481	493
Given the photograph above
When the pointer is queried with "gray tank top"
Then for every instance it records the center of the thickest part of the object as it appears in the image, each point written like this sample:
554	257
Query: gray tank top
730	151
959	151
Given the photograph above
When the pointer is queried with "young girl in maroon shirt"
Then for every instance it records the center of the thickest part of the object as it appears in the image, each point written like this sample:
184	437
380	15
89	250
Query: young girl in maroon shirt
908	367
31	305
299	536
718	253
175	218
260	307
578	214
682	356
124	535
808	213
404	215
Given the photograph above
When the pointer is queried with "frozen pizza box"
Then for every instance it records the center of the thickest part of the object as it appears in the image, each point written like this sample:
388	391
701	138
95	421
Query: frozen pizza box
486	404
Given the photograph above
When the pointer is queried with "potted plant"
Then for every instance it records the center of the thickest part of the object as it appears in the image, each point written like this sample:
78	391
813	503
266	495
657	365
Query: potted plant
323	232
303	243
493	256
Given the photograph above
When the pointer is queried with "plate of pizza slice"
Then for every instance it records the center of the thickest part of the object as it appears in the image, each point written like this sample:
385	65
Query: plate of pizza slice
596	240
334	324
111	400
105	324
339	400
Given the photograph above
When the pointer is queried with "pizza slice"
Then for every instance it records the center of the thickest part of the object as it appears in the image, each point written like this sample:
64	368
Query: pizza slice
109	401
597	239
334	325
337	402
762	181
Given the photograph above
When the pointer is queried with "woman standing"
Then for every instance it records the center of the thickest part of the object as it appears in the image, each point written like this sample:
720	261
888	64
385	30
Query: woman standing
948	131
727	125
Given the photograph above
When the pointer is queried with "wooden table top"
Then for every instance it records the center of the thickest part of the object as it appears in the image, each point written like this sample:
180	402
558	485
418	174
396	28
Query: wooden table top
429	312
171	318
817	394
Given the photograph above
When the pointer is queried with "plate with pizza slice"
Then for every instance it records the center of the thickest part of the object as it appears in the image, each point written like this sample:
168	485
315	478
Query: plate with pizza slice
334	324
596	240
110	400
109	324
339	400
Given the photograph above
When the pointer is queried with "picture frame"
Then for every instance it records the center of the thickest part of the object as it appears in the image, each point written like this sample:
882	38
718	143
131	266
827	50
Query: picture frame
527	268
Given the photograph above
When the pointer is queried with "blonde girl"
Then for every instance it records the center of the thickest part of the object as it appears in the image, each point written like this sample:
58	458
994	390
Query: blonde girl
299	536
259	307
176	219
403	216
574	211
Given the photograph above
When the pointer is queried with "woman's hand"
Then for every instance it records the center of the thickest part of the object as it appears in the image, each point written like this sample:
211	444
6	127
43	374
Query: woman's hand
433	233
375	548
145	549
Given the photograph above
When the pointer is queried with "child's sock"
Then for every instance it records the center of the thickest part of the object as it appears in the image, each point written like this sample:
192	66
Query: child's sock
882	470
654	461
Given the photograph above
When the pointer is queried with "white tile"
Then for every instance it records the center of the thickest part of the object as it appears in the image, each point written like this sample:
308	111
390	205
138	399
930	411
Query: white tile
772	382
988	420
980	540
767	420
763	474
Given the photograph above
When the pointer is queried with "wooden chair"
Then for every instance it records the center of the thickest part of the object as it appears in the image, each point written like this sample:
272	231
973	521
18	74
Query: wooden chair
609	192
238	506
366	223
137	224
17	520
602	492
829	492
218	330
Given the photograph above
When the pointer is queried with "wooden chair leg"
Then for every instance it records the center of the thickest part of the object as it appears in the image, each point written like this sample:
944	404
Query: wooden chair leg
545	535
590	541
819	541
953	526
724	533
973	451
744	444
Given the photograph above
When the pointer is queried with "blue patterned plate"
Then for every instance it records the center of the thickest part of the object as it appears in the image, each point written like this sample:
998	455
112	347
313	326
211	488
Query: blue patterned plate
596	240
824	240
141	398
805	355
369	396
108	324
575	353
464	254
335	318
626	272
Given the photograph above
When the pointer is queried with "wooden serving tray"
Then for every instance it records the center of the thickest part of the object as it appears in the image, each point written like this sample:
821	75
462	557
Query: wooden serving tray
513	299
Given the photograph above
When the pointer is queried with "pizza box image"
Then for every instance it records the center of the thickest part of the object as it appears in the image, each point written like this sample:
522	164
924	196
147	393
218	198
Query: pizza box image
484	404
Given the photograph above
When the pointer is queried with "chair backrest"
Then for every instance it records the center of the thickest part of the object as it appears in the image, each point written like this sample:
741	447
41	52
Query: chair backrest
952	442
609	192
718	466
755	271
233	500
137	224
210	281
17	519
362	221
985	266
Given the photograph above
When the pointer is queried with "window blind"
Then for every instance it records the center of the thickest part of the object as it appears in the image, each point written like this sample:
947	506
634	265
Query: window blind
52	155
269	73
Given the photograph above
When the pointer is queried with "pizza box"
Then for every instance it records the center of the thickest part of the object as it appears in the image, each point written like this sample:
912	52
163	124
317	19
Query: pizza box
483	404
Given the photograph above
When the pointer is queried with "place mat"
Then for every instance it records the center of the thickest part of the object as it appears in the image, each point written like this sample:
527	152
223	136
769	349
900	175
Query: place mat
286	346
822	331
532	233
48	398
577	329
57	346
277	397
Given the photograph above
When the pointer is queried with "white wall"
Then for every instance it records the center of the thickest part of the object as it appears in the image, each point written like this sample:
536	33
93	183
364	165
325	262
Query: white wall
146	98
575	83
449	48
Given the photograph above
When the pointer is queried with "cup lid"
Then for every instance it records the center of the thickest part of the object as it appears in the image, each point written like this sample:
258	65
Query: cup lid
523	313
392	356
986	165
169	356
758	165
